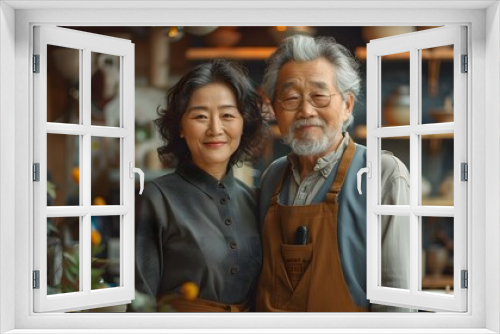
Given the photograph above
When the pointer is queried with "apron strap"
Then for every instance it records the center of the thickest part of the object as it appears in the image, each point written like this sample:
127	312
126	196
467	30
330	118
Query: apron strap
342	170
277	189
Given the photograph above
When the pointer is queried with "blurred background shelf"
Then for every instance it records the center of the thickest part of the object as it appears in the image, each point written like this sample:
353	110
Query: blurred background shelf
437	282
237	53
262	53
436	54
360	133
437	201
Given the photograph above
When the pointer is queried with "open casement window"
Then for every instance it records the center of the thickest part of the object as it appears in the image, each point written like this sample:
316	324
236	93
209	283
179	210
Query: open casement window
71	253
422	135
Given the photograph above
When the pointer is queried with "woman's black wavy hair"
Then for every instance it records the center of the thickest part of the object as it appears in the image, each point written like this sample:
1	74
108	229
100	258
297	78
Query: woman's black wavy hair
249	103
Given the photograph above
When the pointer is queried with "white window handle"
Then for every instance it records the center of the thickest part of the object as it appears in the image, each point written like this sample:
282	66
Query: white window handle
133	170
368	172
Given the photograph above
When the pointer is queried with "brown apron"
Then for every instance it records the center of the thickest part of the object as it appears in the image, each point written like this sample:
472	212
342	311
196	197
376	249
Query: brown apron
305	277
180	304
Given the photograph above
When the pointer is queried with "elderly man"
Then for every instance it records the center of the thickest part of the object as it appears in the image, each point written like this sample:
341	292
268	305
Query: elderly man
313	219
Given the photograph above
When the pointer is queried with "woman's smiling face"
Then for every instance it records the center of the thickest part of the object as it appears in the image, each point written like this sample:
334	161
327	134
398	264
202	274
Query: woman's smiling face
212	126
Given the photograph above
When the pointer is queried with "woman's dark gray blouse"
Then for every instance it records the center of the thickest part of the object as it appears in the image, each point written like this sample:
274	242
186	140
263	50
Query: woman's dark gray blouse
190	227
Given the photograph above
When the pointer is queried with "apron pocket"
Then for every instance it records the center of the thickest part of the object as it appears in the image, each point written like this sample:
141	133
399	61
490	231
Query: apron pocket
297	259
293	277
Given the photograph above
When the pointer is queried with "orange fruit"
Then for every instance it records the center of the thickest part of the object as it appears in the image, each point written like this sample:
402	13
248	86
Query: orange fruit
75	174
99	201
190	290
95	237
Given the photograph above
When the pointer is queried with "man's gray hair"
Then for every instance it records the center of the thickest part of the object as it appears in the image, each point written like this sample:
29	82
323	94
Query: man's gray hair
301	48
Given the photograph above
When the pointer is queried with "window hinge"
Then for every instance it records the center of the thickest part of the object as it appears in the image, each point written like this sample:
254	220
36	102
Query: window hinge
465	279
36	63
36	279
465	64
464	171
36	172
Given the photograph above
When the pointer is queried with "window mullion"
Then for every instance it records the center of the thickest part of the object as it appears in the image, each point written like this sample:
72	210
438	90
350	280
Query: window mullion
415	111
86	172
85	258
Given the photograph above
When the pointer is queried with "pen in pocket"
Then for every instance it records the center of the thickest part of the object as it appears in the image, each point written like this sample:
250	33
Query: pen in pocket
301	235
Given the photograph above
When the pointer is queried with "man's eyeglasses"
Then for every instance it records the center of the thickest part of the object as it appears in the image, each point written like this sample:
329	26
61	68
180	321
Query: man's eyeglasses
316	100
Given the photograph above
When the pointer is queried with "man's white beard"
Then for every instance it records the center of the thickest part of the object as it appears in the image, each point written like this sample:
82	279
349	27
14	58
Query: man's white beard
306	145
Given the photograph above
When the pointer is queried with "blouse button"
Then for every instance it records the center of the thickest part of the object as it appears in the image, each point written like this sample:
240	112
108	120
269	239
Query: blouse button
228	221
234	270
223	201
233	245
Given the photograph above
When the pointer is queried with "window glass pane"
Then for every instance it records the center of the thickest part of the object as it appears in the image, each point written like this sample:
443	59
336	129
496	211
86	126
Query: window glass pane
437	254
63	85
63	172
437	169
398	147
63	263
105	249
395	79
395	247
437	84
105	90
105	174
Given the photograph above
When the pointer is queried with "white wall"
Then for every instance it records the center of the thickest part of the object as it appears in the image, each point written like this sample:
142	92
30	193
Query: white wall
7	163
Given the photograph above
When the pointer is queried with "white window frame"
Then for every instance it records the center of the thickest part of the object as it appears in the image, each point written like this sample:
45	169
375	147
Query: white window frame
85	44
483	20
413	43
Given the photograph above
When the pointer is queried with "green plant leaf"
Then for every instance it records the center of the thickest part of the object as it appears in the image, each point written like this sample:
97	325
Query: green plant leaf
97	249
71	278
71	258
73	270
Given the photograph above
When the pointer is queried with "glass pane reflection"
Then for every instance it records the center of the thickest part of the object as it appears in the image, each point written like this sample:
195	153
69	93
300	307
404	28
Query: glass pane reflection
63	253
437	170
437	84
400	148
395	79
395	246
63	173
105	188
437	254
105	249
105	89
63	85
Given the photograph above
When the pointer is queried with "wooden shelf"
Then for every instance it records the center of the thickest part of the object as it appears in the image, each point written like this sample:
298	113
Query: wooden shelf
437	201
241	53
262	53
360	133
443	53
437	282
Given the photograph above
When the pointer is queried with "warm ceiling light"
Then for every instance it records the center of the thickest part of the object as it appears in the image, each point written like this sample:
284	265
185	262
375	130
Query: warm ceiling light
175	33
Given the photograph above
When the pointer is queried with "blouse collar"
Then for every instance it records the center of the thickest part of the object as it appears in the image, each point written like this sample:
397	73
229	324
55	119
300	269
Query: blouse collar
204	181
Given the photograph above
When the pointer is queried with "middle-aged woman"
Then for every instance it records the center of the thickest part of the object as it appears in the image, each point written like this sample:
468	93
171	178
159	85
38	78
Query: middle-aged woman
199	224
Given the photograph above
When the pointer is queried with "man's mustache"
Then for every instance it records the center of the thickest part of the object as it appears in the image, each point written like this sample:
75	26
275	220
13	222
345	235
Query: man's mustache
308	122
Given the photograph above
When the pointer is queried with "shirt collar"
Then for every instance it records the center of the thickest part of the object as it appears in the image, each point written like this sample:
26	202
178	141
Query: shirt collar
325	164
204	181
